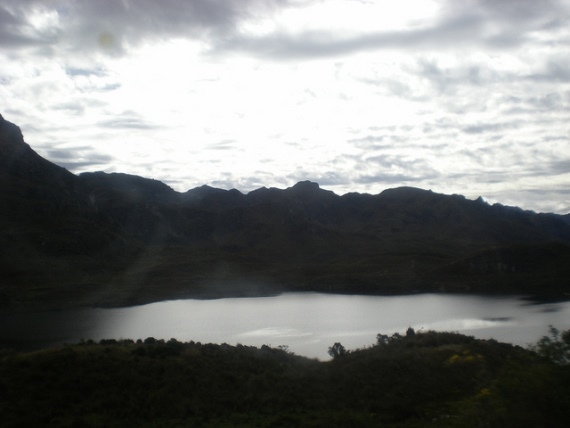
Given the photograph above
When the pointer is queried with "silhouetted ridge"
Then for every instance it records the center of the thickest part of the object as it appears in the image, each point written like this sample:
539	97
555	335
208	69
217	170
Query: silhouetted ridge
131	185
206	193
305	188
52	236
19	160
406	192
131	239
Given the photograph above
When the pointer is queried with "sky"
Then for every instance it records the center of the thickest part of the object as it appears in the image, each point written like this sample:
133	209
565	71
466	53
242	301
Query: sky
469	97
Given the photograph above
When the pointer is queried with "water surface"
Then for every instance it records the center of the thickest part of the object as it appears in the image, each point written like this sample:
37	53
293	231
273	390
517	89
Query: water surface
308	323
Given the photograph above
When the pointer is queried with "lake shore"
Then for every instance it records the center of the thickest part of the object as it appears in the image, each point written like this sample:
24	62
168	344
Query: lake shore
305	321
70	299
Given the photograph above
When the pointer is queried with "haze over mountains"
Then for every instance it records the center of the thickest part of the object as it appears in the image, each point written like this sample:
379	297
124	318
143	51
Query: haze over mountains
119	239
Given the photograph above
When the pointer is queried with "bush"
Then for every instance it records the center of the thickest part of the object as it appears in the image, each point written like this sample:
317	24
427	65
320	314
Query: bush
555	346
337	350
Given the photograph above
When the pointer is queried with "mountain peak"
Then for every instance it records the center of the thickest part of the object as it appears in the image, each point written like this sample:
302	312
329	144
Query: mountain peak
10	133
304	188
306	185
405	191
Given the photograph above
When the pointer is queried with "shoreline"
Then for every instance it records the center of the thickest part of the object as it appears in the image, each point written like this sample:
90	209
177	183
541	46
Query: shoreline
49	305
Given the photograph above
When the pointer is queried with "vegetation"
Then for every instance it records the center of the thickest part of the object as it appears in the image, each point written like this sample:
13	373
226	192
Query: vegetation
555	346
414	380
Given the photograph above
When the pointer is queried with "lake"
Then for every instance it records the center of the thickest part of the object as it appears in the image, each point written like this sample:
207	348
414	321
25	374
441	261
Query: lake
308	323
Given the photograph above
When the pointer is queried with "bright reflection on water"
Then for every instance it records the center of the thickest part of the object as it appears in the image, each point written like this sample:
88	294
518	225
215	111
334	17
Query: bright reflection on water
308	323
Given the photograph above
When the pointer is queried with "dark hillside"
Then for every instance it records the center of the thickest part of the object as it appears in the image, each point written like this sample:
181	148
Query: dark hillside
50	231
114	239
417	380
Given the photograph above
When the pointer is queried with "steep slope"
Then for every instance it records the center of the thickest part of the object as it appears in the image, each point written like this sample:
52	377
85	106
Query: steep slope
52	240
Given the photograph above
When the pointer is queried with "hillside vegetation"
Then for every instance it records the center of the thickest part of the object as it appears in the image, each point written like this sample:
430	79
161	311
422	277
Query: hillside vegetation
415	380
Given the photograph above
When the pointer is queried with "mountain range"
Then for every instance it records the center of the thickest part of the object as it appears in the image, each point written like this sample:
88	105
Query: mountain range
117	239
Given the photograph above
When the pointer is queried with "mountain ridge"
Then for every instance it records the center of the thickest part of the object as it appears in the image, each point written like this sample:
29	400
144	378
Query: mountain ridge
98	238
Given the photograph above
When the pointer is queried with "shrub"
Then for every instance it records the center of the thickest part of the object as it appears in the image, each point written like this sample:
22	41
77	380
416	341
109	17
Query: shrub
555	346
337	350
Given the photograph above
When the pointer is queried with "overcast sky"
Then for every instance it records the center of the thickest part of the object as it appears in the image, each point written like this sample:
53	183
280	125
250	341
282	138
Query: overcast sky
468	97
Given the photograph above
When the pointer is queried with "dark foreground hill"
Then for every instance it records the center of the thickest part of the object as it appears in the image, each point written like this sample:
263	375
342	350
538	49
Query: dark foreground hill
418	380
102	238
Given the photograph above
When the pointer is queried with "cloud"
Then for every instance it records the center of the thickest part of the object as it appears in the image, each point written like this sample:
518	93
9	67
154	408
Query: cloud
248	182
393	169
78	158
533	104
223	145
383	141
498	24
555	70
89	72
481	128
325	179
17	30
112	27
469	97
126	120
553	167
71	107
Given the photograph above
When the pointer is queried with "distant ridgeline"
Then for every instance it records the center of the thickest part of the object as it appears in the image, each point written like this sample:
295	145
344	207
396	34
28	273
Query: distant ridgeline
119	239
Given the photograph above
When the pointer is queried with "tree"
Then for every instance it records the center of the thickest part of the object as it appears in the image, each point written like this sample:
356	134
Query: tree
382	339
337	350
555	347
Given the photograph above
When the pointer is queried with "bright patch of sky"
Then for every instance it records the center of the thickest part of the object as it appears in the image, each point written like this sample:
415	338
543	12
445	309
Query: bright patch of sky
459	97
